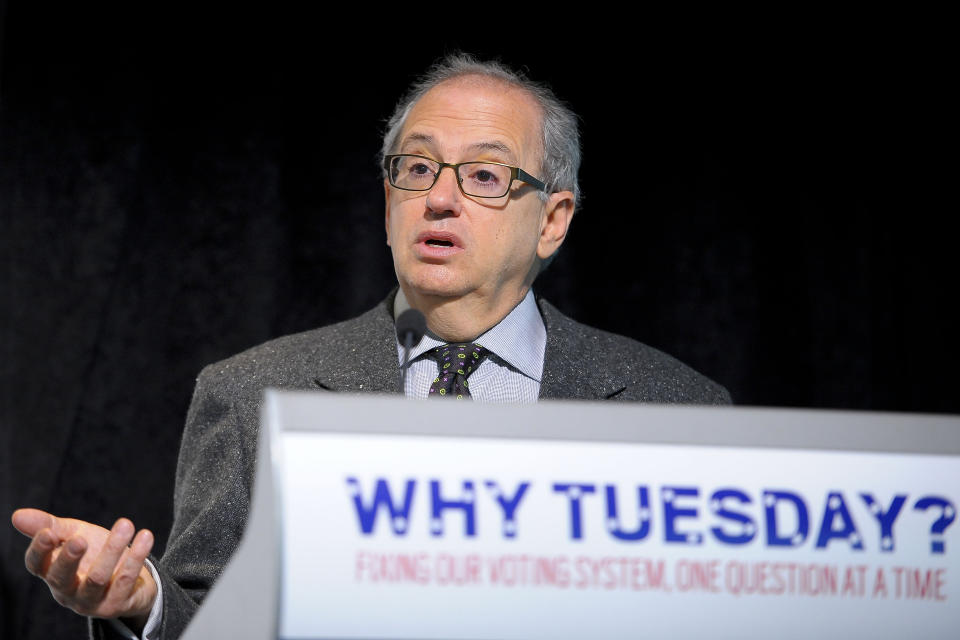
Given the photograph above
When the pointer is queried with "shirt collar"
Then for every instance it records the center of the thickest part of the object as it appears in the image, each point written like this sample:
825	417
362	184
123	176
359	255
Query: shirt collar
520	339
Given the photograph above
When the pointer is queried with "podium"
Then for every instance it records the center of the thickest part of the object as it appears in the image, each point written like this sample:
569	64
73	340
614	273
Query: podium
383	517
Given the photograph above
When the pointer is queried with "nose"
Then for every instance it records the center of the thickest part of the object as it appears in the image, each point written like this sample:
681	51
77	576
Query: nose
444	196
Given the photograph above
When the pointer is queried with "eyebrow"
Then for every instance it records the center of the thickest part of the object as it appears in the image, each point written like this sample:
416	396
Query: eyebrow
498	147
429	141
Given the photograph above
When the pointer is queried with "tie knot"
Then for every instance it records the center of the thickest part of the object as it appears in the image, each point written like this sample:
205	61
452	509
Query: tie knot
455	363
462	358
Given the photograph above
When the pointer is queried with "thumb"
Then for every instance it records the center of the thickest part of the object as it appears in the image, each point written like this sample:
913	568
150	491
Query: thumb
29	522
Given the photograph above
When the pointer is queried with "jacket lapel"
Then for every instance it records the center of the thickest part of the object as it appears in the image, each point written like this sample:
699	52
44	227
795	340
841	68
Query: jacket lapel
361	356
571	369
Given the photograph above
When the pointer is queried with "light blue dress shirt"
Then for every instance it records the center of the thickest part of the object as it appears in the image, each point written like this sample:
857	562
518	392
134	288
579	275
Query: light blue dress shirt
511	374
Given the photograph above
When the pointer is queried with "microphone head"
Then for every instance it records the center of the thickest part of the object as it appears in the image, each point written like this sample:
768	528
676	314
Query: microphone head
411	324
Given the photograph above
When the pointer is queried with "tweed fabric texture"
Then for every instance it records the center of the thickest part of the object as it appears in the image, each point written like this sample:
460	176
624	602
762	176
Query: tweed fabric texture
218	450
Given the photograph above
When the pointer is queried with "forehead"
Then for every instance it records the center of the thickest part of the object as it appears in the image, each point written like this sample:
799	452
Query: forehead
474	116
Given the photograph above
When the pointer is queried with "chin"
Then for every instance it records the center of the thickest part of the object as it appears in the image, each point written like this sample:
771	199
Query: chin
437	290
432	280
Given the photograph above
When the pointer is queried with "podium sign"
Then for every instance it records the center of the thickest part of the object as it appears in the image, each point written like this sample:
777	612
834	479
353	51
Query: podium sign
573	520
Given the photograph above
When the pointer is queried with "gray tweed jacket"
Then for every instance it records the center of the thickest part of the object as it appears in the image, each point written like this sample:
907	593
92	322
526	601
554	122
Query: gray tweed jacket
217	455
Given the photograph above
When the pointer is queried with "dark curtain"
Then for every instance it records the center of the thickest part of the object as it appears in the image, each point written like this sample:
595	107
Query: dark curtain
175	189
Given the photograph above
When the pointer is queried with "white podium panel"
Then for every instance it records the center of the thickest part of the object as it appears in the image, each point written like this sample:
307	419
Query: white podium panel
408	519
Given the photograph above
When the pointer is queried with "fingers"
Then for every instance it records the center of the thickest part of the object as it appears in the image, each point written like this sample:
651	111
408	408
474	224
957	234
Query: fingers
89	569
62	574
40	552
29	522
101	571
128	573
137	553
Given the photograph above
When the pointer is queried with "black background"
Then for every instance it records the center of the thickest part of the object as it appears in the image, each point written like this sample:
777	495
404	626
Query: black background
760	201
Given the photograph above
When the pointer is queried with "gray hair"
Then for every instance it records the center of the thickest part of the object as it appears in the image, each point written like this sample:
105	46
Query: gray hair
560	137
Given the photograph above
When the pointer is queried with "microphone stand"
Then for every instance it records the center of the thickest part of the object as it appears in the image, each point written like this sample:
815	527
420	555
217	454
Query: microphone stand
411	325
407	348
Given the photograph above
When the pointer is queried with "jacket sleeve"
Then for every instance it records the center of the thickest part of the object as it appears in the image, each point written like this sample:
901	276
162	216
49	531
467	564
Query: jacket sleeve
211	499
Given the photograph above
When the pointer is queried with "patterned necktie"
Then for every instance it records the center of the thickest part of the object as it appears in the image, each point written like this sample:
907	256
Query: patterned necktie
455	363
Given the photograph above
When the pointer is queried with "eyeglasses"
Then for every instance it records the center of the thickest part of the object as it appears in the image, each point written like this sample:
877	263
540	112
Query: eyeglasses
476	179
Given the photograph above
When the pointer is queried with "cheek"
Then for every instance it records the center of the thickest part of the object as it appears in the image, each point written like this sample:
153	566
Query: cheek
525	233
508	238
395	218
514	246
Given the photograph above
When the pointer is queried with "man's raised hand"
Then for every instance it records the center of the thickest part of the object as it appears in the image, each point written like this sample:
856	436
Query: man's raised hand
92	570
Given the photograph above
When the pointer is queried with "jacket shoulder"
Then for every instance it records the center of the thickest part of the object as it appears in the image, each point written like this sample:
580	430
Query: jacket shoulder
622	368
292	361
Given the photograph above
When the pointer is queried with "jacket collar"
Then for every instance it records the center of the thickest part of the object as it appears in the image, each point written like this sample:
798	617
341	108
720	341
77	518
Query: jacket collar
361	355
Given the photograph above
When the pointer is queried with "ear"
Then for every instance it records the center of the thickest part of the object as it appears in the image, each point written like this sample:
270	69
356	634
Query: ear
557	215
386	203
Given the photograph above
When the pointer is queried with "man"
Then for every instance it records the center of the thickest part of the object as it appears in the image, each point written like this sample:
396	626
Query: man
480	186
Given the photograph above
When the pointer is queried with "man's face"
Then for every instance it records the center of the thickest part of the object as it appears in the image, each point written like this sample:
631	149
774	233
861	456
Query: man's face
450	245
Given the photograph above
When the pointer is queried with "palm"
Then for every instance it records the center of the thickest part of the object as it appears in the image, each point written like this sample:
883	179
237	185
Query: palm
92	570
95	535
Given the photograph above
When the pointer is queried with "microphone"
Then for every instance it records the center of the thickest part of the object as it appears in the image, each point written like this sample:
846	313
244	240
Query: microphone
411	325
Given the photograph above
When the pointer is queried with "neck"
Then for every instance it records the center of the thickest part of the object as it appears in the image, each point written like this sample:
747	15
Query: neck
465	318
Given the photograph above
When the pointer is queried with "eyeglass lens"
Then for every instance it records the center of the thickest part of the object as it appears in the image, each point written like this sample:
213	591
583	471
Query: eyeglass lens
476	178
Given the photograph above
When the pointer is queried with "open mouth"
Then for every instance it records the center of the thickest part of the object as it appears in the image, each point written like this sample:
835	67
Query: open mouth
438	242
